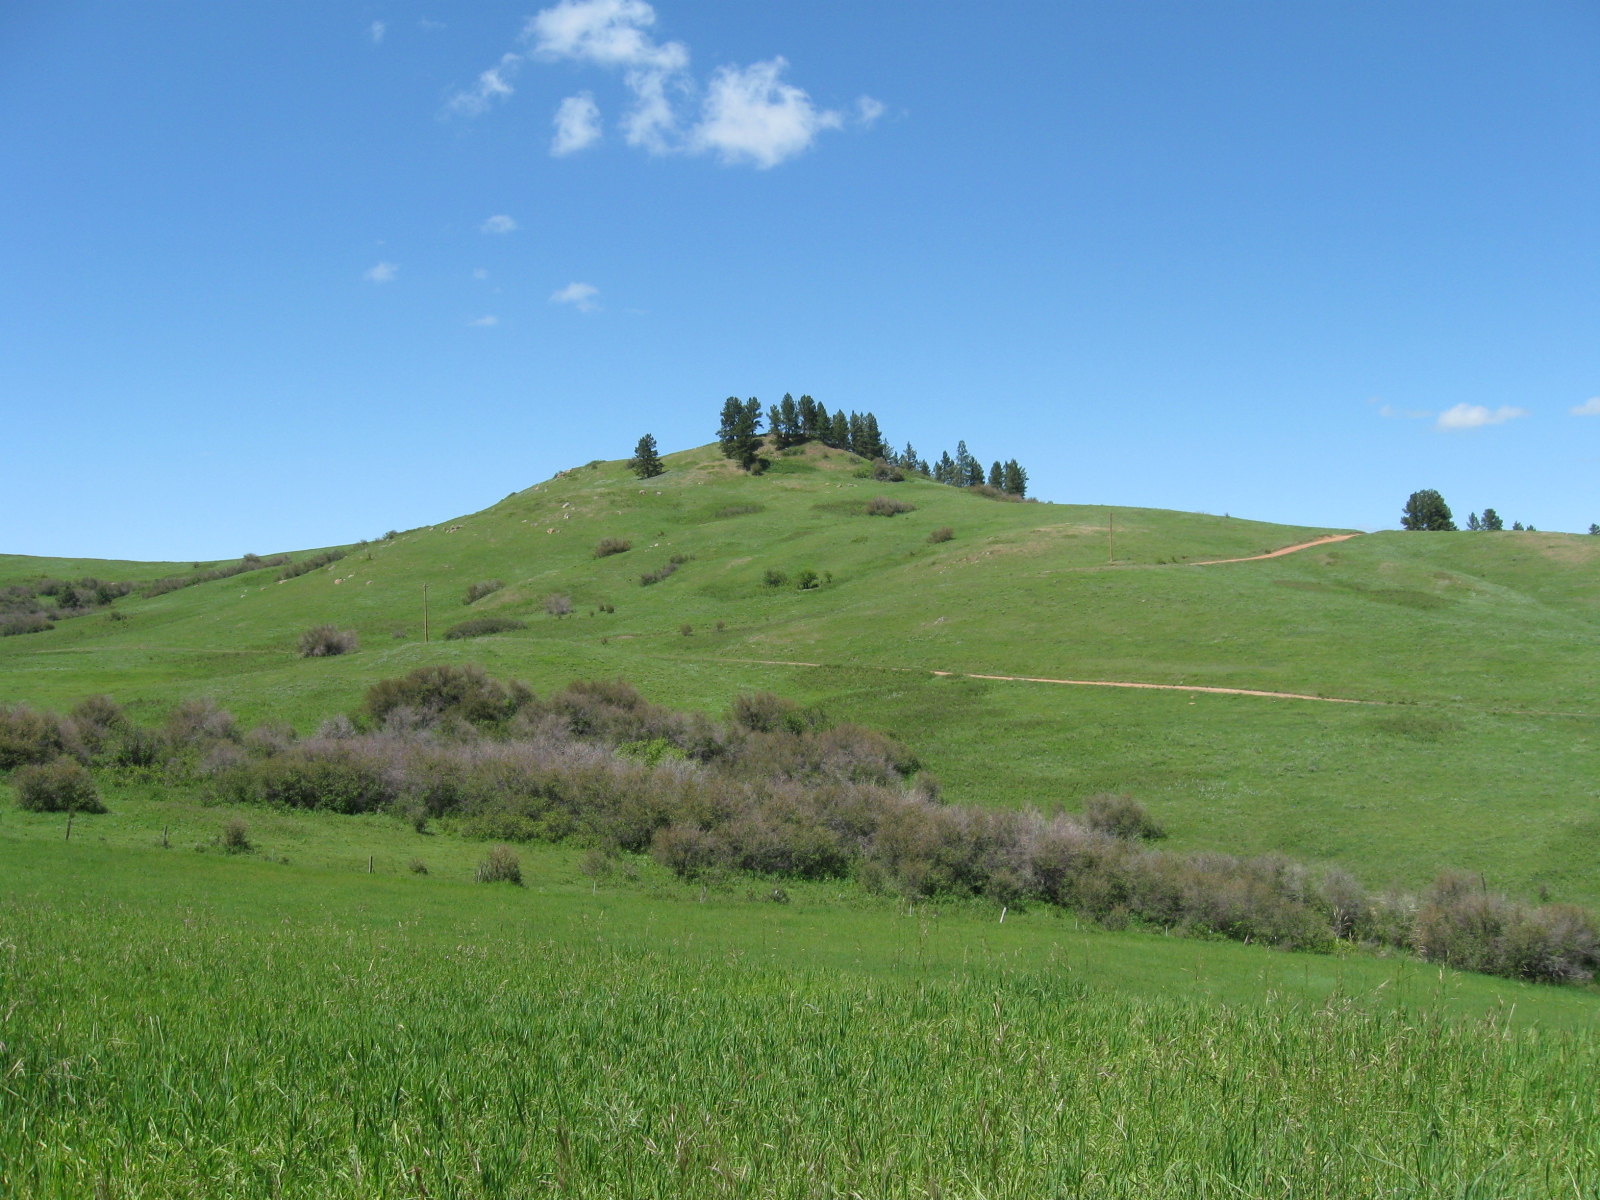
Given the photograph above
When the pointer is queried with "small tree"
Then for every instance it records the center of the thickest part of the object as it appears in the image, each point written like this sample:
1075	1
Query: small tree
806	416
997	476
1426	511
739	435
1473	524
1594	530
1492	522
839	432
646	463
1014	478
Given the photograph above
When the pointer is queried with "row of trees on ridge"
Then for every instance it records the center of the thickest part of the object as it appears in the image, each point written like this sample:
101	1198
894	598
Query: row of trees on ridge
794	422
1426	511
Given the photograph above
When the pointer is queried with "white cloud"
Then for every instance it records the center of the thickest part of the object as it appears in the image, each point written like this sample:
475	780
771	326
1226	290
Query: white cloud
499	223
494	84
377	30
384	272
1589	408
577	124
1475	416
748	115
579	295
481	273
485	321
751	116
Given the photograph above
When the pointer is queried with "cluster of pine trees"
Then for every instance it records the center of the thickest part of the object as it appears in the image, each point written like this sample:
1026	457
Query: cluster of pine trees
793	422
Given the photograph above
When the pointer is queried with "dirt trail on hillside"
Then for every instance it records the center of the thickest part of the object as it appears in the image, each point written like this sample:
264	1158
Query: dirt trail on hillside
1109	683
1321	541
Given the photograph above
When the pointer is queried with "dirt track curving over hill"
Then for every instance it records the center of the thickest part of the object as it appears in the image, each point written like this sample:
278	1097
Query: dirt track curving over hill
1321	541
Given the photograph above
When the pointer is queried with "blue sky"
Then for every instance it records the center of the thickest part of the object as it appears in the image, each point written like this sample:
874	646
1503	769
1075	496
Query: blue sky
284	275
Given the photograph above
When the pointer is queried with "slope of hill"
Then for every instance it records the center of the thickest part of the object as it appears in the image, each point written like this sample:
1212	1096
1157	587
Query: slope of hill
1477	653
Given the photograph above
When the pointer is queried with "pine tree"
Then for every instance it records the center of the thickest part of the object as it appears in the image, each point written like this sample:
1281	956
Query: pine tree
806	411
1426	510
839	434
875	447
858	436
1492	522
792	433
964	464
775	426
646	463
1015	479
1473	523
740	432
996	476
944	471
1594	530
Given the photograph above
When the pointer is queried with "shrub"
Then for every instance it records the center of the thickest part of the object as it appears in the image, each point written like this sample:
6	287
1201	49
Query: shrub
30	736
432	693
609	546
883	506
1121	817
418	867
13	623
660	573
807	580
236	836
478	591
501	866
326	641
249	562
1465	925
942	534
482	627
317	561
686	629
774	578
60	786
737	510
557	604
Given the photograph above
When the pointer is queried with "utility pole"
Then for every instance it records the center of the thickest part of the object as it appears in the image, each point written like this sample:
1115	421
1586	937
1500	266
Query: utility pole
424	612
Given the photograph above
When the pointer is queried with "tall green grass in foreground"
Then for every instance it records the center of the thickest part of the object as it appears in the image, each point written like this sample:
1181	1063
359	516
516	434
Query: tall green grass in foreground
152	1054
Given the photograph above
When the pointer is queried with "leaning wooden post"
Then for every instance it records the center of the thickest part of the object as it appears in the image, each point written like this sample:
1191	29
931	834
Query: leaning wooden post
69	825
369	864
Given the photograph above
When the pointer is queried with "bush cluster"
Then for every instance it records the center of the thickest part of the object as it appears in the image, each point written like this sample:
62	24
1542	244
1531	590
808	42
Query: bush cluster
306	565
12	623
558	604
883	506
500	866
478	591
61	786
482	627
609	546
663	571
942	534
779	790
326	641
250	562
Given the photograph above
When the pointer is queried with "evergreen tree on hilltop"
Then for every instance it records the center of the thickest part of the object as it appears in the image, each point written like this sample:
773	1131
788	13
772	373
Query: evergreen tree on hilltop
944	471
975	474
964	465
646	463
740	432
793	432
1594	530
996	475
1473	524
806	412
875	447
1014	479
1492	522
1427	511
839	434
911	462
858	437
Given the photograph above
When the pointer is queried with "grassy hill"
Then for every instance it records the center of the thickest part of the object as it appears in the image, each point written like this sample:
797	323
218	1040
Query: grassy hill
1476	654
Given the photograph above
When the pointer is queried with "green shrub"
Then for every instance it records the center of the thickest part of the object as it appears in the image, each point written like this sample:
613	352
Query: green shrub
807	580
60	786
236	836
482	627
478	591
1121	817
317	561
418	867
436	692
609	546
558	604
737	510
13	623
500	866
28	735
883	506
327	641
774	578
942	534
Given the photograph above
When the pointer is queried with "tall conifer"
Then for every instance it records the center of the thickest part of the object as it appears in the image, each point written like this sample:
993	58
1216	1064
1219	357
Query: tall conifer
839	434
996	476
646	463
806	410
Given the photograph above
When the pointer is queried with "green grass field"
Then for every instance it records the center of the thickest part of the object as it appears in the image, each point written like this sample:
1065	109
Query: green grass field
181	1021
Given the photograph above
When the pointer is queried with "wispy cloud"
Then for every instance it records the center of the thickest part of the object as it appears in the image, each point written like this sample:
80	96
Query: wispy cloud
376	31
1589	408
481	273
1392	413
577	125
1476	416
384	272
746	115
484	321
579	295
498	224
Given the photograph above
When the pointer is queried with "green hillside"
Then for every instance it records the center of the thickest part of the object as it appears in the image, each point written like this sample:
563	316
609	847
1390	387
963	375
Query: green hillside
1477	653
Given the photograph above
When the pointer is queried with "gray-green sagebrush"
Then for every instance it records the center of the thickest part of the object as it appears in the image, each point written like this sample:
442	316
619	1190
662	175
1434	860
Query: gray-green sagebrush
161	1053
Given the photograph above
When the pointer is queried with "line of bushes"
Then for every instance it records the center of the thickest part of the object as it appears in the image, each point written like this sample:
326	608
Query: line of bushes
477	591
306	565
250	562
782	791
664	570
482	627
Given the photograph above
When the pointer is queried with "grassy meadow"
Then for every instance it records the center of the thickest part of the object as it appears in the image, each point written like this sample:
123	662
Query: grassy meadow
315	1017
